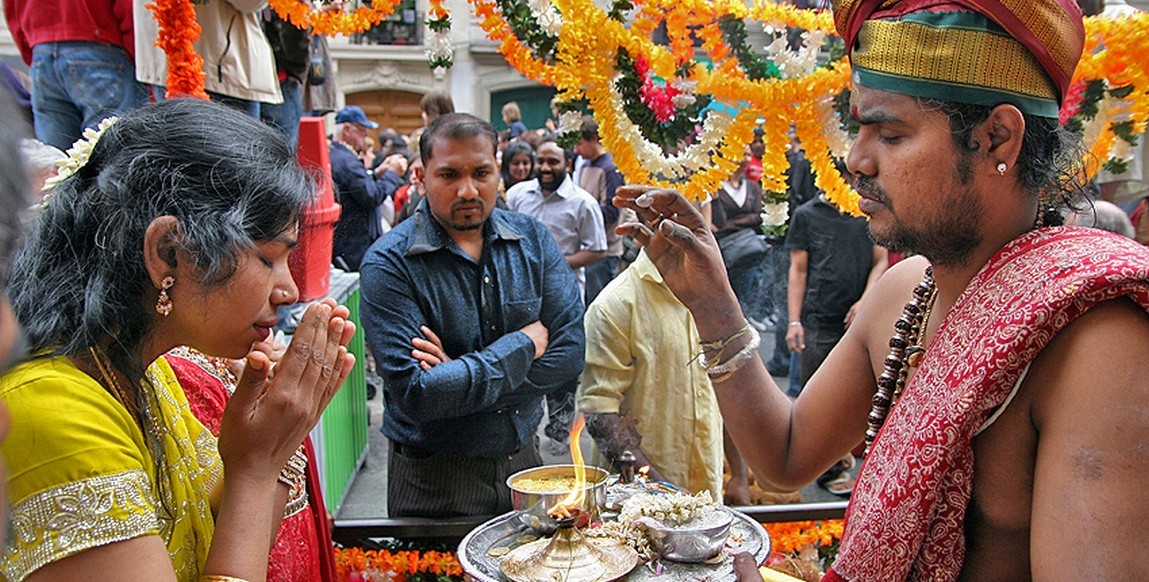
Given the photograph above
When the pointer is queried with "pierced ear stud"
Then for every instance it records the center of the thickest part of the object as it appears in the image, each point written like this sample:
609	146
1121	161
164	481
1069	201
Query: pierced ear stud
1002	167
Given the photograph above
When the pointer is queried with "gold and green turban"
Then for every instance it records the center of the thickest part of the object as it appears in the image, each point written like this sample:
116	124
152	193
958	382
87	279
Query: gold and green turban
983	52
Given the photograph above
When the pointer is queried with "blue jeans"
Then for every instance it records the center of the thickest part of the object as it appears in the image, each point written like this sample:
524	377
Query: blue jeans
285	116
744	280
278	116
75	85
795	388
598	275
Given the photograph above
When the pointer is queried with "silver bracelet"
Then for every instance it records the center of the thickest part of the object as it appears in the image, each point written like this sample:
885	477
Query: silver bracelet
719	372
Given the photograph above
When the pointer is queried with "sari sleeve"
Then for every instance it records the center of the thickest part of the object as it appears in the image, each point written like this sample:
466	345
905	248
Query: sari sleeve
78	468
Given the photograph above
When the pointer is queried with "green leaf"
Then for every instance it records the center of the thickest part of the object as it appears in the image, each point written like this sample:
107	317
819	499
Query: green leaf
1116	166
1124	130
619	9
734	31
1121	92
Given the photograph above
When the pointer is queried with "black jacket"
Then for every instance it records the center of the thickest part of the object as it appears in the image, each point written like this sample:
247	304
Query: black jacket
360	195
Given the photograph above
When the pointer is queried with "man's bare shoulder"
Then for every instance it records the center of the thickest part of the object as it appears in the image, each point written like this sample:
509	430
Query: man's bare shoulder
882	305
1106	347
1088	399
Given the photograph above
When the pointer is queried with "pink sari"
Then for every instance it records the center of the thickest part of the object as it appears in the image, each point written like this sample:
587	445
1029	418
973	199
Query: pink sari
302	550
906	516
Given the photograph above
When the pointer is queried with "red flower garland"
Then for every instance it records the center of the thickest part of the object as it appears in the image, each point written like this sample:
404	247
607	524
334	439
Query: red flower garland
658	99
178	32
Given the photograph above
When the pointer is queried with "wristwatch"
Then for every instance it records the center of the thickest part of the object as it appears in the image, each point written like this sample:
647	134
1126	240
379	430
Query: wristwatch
371	172
795	323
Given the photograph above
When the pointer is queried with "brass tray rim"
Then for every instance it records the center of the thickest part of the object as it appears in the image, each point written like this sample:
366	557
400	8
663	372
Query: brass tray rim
516	527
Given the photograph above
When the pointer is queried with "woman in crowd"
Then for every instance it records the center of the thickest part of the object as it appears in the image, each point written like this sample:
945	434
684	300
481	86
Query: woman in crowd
518	164
513	117
172	229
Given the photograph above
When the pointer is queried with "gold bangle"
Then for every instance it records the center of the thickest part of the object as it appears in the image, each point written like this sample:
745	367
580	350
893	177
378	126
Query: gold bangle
220	578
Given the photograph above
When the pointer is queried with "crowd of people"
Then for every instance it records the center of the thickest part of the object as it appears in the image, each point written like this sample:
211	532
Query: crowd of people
159	429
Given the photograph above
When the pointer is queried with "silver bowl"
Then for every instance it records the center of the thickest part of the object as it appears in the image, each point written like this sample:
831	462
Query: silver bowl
697	541
531	507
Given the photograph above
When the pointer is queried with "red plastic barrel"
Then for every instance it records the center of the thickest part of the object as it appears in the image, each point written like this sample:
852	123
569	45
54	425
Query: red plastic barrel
310	261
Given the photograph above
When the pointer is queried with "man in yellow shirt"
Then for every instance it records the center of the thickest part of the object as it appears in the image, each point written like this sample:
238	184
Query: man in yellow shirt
643	390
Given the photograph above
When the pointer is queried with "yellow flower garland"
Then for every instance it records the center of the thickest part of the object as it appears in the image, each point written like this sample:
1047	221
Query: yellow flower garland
589	44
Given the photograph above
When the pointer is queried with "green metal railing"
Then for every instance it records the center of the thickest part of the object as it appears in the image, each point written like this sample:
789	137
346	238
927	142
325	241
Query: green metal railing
344	424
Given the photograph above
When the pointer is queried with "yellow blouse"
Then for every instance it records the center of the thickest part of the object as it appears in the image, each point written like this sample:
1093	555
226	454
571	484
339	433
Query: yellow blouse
81	475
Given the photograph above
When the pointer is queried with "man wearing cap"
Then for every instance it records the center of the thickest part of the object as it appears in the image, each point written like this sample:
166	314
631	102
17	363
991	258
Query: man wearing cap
360	190
1001	373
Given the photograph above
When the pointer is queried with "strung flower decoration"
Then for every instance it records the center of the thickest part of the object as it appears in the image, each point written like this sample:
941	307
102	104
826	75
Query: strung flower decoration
440	52
77	157
330	19
673	119
775	214
1109	99
178	31
568	132
547	16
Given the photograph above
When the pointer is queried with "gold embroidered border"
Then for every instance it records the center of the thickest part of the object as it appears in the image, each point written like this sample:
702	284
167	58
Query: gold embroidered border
296	502
64	520
952	56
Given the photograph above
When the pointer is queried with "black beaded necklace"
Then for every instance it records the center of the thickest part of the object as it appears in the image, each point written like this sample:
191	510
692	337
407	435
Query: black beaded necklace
906	352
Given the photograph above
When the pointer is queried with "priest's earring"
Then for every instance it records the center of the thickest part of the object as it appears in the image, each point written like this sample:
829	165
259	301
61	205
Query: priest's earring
163	302
1002	167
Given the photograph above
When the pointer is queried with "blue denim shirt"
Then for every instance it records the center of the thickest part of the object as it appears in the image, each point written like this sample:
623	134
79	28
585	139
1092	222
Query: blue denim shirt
487	400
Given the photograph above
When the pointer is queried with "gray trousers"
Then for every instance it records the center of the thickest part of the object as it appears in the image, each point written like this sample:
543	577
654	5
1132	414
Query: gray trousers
424	484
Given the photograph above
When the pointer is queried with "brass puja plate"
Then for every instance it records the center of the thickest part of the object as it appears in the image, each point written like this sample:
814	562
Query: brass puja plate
569	557
481	552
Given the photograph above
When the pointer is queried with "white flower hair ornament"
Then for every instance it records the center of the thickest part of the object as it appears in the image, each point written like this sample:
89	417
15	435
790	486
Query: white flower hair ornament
77	157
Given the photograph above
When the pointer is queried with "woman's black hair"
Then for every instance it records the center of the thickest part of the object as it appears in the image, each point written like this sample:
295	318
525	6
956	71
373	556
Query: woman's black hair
516	148
80	281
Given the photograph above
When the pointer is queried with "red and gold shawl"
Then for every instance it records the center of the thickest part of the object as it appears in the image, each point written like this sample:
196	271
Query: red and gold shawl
906	516
983	52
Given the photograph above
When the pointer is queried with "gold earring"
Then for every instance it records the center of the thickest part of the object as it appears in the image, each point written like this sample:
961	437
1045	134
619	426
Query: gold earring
163	302
1002	167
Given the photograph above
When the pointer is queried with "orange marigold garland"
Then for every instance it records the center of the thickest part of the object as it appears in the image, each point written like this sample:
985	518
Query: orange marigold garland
513	50
329	20
178	32
356	564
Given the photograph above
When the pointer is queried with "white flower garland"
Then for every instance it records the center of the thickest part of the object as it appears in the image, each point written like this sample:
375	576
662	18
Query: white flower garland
837	138
775	214
77	157
650	156
439	49
794	63
547	16
570	122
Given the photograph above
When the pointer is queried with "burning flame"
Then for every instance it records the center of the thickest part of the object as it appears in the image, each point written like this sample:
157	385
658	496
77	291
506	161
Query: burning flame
571	504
